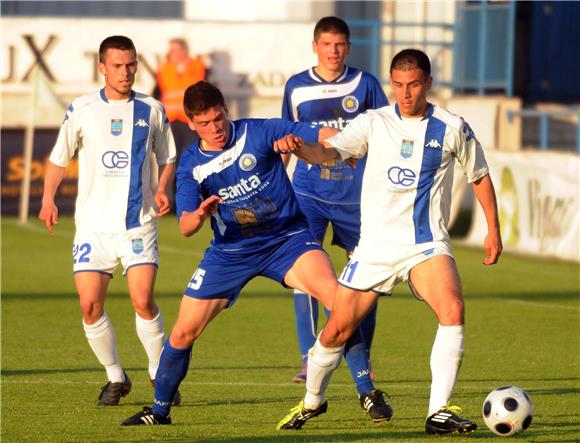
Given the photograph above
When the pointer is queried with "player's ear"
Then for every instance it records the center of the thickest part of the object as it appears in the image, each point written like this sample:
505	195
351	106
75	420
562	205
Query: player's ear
190	124
226	111
101	68
429	83
314	46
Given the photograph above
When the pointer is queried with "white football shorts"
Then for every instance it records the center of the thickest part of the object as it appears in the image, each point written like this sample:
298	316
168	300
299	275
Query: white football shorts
394	266
102	252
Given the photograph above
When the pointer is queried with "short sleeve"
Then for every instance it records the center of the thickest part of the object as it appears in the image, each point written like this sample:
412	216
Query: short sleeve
69	139
352	141
163	142
469	154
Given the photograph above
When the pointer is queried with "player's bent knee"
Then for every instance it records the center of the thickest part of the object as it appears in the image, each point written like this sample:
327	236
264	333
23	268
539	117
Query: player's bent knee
92	311
452	314
145	307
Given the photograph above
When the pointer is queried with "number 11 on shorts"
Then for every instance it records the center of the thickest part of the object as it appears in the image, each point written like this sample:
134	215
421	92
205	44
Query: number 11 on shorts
348	271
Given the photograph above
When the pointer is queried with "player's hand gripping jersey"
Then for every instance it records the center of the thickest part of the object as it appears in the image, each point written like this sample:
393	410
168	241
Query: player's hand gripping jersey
309	98
115	141
406	190
258	201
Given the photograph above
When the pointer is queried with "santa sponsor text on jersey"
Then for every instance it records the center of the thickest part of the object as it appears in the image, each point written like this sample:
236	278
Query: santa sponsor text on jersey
258	202
309	98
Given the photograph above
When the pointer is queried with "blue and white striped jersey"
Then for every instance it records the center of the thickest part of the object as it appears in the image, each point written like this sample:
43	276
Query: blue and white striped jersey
310	98
116	141
258	201
406	191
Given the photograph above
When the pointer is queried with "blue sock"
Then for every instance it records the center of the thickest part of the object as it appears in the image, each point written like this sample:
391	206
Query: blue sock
368	328
306	313
356	355
173	364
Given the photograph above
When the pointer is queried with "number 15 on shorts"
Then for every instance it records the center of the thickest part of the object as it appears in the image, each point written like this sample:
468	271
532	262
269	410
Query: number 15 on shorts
196	279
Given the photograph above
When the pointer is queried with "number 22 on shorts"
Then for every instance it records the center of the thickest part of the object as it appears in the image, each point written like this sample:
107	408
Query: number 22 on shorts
84	250
196	279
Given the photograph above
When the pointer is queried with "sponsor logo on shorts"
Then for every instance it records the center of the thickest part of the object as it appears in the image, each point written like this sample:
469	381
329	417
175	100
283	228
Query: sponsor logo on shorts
137	245
116	126
247	162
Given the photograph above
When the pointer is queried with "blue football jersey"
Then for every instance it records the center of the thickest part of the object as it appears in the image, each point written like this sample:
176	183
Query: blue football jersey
258	201
310	98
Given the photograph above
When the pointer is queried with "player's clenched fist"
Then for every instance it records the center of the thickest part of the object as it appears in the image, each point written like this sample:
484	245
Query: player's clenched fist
287	144
209	206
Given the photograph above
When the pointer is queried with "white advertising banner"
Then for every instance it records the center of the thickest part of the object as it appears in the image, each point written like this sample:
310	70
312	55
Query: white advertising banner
538	199
247	59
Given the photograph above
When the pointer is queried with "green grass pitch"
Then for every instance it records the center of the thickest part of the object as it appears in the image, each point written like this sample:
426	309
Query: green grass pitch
523	328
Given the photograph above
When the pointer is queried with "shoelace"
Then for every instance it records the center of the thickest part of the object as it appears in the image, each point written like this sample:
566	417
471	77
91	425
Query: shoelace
453	409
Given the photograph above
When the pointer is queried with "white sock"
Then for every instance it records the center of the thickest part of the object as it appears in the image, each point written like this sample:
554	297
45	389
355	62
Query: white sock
151	334
101	337
322	362
446	357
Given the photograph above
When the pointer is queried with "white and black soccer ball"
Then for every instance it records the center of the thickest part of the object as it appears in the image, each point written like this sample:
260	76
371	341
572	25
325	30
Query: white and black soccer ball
508	411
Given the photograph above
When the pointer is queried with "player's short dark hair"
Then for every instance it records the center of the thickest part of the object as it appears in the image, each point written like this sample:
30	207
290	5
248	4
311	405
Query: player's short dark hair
115	42
201	96
334	25
411	59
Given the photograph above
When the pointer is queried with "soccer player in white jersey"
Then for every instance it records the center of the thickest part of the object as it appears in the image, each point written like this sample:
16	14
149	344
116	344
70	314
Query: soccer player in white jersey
118	135
405	203
332	94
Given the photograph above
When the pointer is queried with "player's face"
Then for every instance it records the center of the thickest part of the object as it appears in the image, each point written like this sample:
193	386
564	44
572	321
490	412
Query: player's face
410	88
331	50
213	127
119	68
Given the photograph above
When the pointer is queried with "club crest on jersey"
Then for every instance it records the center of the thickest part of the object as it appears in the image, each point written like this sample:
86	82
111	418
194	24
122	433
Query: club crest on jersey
137	245
247	162
407	148
350	103
116	126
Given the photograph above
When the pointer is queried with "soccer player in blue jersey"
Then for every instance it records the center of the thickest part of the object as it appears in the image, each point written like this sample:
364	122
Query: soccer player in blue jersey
406	195
332	94
116	133
234	177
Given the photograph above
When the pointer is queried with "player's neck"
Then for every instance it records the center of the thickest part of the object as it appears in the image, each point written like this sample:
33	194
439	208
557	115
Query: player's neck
207	147
328	75
111	94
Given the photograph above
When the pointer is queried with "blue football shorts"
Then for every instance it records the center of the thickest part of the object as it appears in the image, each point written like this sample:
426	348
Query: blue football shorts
344	218
223	274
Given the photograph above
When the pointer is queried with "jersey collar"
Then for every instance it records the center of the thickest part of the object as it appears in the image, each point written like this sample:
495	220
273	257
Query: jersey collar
427	115
106	100
319	79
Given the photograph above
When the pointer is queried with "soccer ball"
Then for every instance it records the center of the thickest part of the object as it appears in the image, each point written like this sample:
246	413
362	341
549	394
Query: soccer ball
508	411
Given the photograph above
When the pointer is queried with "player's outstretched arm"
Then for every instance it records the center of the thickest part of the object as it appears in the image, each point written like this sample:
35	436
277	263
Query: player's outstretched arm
166	174
485	194
49	211
191	222
309	152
